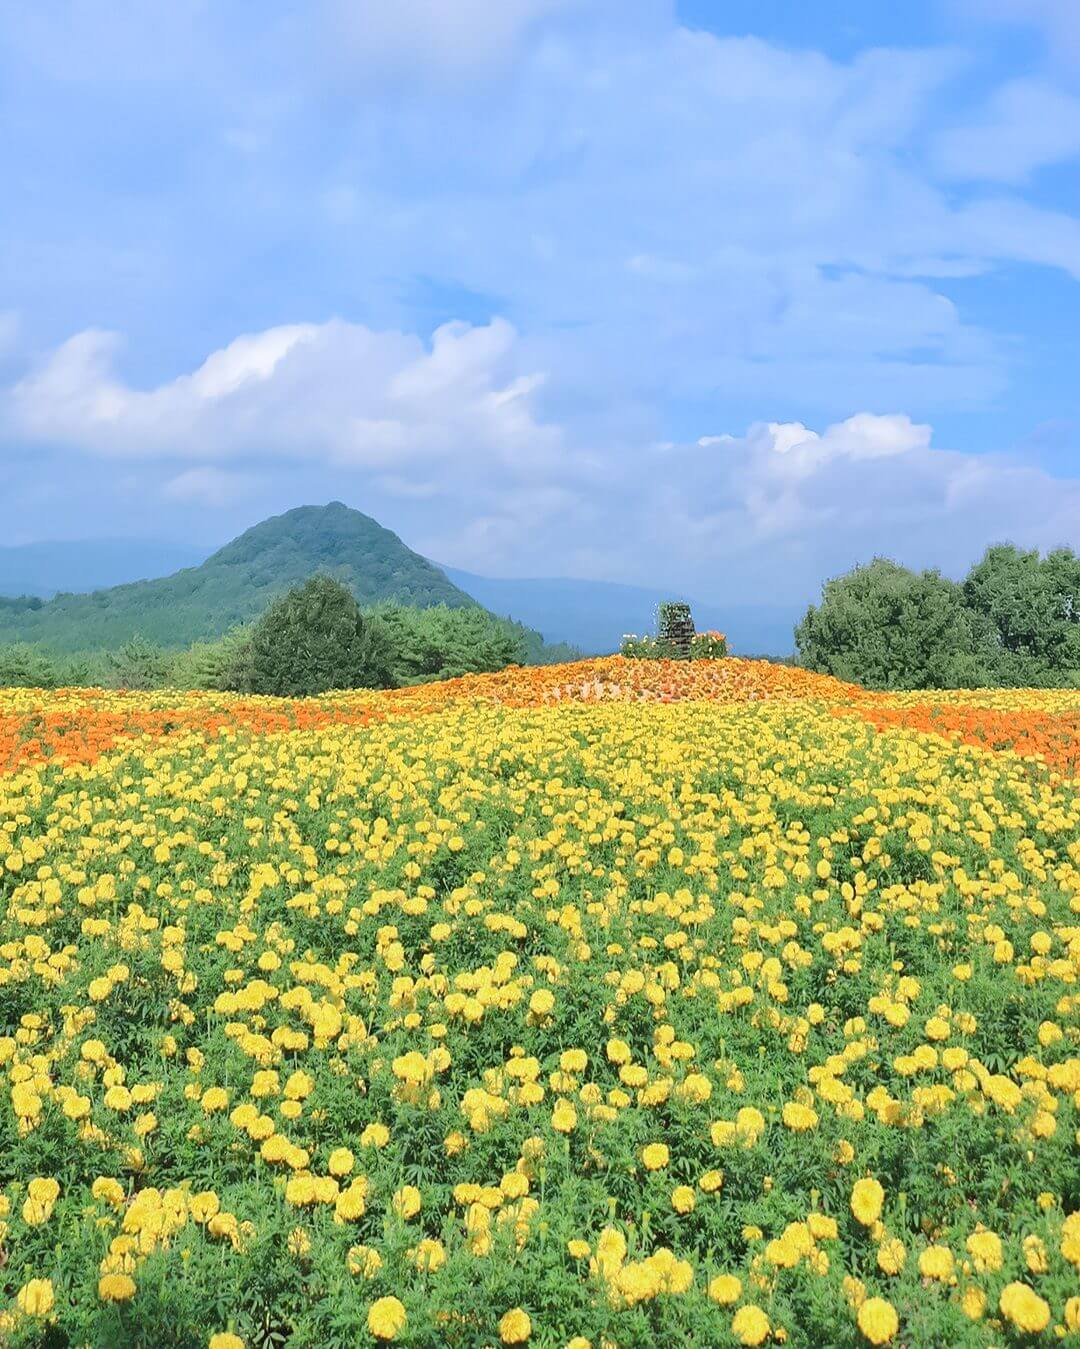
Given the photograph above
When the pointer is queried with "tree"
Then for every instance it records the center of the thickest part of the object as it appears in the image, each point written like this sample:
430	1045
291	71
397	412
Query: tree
313	639
886	627
138	664
440	642
24	666
1033	606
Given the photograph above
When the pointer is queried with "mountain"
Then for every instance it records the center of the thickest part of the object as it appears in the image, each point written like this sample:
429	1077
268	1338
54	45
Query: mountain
236	583
594	615
88	564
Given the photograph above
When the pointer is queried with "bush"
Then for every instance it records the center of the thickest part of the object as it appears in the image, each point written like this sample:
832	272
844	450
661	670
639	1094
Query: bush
1032	605
886	627
708	646
313	639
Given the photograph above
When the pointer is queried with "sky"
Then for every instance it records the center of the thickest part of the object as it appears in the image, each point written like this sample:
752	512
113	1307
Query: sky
720	296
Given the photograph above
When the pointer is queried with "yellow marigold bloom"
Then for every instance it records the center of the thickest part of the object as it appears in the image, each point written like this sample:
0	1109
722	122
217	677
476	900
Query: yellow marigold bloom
542	1002
340	1162
750	1325
799	1118
725	1289
1070	1238
1024	1308
711	1181
867	1198
655	1156
984	1247
386	1318
973	1303
108	1189
579	1342
116	1287
364	1261
35	1298
407	1202
877	1320
375	1136
683	1199
577	1248
936	1262
891	1256
225	1339
564	1116
214	1099
1072	1314
515	1327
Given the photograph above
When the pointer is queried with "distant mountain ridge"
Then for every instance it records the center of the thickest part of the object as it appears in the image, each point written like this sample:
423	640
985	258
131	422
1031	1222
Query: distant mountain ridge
44	569
236	583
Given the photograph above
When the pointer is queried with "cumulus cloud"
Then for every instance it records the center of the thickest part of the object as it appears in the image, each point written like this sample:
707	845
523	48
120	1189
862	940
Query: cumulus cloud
1025	125
334	392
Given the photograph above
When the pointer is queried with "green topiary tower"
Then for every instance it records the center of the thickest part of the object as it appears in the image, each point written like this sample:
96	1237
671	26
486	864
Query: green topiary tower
675	624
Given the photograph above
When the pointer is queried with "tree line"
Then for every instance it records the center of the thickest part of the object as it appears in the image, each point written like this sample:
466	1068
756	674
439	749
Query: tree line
312	639
1012	622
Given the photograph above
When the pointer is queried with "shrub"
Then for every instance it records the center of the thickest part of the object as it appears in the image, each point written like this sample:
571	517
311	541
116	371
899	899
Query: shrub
314	638
138	664
24	666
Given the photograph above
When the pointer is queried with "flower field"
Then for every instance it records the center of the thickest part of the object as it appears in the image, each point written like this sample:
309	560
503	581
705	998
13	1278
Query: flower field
614	1004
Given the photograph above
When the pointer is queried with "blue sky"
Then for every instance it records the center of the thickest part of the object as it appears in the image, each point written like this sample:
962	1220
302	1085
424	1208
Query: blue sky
724	296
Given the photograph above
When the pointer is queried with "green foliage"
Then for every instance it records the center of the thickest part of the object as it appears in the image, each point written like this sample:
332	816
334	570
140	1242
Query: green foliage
212	665
441	643
647	648
138	664
312	639
25	667
16	604
1033	605
886	627
708	646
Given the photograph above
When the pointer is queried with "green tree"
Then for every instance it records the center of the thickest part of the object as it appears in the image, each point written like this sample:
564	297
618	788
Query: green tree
138	664
1032	603
24	666
314	638
440	642
886	627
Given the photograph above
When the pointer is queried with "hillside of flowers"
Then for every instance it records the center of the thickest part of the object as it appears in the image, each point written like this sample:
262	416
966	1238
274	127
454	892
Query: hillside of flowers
621	1003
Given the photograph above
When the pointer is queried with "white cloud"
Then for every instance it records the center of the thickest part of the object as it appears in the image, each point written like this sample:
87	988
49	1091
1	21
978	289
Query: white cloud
207	486
335	393
459	37
1025	125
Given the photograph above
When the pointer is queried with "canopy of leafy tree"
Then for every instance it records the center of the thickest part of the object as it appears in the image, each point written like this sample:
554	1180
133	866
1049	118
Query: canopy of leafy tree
236	584
1014	621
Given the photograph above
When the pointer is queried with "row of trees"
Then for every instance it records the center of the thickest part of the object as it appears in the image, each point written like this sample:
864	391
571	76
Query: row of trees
1013	621
313	638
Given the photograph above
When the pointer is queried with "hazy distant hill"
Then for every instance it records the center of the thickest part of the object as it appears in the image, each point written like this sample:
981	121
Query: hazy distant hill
594	615
89	564
237	582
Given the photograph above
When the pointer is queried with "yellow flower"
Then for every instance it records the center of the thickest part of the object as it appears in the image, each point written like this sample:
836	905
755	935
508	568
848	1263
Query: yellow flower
984	1247
891	1256
799	1118
542	1002
515	1327
750	1325
564	1117
577	1248
364	1261
116	1287
725	1289
386	1318
35	1298
683	1199
867	1198
655	1156
936	1262
224	1339
407	1202
1024	1308
340	1162
877	1320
